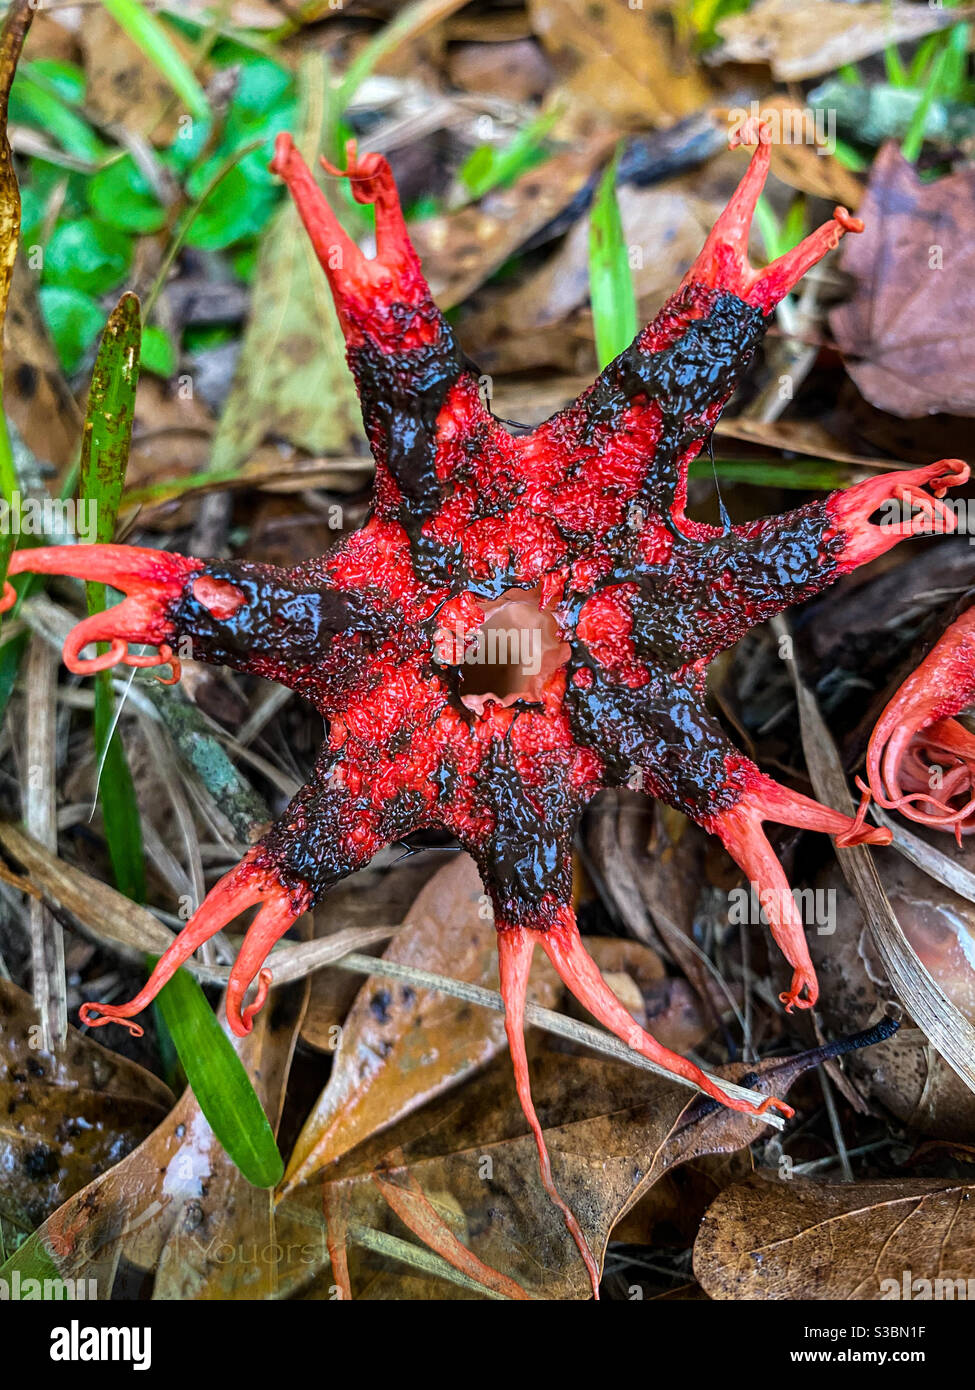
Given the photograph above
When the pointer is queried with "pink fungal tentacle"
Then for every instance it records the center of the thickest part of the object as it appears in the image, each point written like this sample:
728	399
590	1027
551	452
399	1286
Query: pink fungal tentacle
153	582
280	909
851	510
516	946
363	288
740	829
339	256
916	730
723	261
252	881
562	943
372	183
566	950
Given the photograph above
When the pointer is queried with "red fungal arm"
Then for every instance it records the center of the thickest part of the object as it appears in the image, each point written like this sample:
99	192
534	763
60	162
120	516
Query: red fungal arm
649	413
739	828
916	734
560	940
252	882
364	289
515	950
273	622
153	581
723	261
921	513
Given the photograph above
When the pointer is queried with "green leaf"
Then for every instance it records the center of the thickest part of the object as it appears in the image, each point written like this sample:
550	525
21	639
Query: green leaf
73	320
232	212
895	69
158	352
31	1261
610	281
66	79
263	85
34	104
488	167
803	475
145	30
104	458
219	1081
120	195
914	139
31	215
11	655
87	255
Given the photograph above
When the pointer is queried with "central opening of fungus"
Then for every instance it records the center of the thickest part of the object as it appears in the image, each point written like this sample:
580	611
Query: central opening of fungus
512	654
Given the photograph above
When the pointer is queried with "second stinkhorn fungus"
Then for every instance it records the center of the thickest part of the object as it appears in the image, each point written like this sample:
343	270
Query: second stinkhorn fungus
584	517
921	760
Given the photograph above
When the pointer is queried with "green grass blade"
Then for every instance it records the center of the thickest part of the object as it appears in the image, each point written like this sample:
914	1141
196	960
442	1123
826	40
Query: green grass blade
37	105
896	72
145	30
610	281
486	167
914	139
14	32
104	457
954	77
850	158
220	1083
802	475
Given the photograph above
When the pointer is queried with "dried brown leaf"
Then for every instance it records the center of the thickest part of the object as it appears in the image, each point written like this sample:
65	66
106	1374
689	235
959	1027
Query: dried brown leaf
177	1204
803	40
65	1116
767	1238
906	330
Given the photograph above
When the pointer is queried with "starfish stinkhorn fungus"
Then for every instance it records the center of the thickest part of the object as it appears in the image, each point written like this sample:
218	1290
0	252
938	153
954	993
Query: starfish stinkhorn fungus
586	516
921	761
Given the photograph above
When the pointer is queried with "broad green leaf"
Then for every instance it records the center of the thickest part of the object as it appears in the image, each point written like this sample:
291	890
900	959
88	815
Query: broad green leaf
262	85
145	30
73	320
158	352
87	255
236	209
66	79
121	197
221	1085
104	457
34	103
610	279
30	1261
